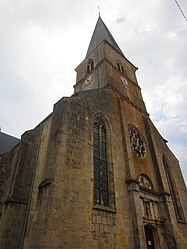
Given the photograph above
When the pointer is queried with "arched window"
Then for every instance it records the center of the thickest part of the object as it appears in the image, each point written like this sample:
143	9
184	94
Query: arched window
173	190
145	181
120	67
101	190
90	66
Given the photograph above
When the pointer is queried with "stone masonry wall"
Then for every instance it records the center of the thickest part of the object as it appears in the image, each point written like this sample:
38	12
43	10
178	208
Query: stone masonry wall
62	214
15	207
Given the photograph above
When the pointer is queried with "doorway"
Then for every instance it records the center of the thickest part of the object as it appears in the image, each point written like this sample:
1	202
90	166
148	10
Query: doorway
149	234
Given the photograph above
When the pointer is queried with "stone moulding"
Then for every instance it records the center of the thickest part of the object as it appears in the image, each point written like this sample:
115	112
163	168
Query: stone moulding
45	183
15	200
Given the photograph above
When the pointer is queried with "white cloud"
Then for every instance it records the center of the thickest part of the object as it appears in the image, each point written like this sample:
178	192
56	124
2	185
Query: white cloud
43	41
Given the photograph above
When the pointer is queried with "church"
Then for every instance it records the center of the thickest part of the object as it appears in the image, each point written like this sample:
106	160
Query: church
95	173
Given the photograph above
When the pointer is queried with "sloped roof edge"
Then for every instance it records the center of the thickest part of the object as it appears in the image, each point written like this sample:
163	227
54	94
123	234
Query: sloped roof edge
101	33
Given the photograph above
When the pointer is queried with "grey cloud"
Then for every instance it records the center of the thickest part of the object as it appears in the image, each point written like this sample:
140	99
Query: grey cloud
121	20
43	41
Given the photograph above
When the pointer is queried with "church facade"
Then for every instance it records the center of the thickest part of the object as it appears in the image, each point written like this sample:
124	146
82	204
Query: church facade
95	173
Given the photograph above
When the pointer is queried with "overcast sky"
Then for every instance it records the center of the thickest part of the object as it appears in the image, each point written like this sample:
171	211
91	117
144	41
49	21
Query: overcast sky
42	41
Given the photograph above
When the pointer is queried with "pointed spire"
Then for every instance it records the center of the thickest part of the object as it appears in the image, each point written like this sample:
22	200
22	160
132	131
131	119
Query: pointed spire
100	34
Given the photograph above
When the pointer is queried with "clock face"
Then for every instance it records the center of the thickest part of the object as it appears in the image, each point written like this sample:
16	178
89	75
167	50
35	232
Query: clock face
125	82
88	80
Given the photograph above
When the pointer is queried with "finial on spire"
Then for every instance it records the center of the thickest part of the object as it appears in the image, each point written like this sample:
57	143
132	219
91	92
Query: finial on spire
98	8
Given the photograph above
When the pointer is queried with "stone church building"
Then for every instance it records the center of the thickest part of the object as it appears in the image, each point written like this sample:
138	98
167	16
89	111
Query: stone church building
96	173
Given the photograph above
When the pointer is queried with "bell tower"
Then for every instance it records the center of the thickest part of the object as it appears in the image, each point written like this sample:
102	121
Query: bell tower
95	173
106	66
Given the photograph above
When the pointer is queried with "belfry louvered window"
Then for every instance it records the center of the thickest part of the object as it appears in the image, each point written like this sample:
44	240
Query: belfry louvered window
90	66
101	192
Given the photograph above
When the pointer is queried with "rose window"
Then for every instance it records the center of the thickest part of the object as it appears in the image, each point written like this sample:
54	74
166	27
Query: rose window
137	142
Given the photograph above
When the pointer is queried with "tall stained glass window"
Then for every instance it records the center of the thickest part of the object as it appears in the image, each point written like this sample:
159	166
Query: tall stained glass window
101	192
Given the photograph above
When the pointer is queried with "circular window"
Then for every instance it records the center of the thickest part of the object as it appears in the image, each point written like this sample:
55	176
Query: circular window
137	141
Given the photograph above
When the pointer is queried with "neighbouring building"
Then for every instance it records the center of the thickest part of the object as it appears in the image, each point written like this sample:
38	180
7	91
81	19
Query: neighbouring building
7	142
96	173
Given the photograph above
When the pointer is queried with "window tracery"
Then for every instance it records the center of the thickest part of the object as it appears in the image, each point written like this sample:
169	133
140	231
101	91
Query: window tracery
137	141
145	182
101	190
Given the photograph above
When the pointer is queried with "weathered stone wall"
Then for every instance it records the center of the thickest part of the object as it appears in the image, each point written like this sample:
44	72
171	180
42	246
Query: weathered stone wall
18	190
161	148
114	57
7	171
48	180
61	211
36	221
97	56
64	216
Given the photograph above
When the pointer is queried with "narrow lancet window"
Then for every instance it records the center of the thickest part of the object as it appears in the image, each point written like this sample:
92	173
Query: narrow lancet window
120	67
101	192
90	66
173	191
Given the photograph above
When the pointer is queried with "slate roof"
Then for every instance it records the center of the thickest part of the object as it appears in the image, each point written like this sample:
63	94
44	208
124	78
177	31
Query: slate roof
7	142
101	33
